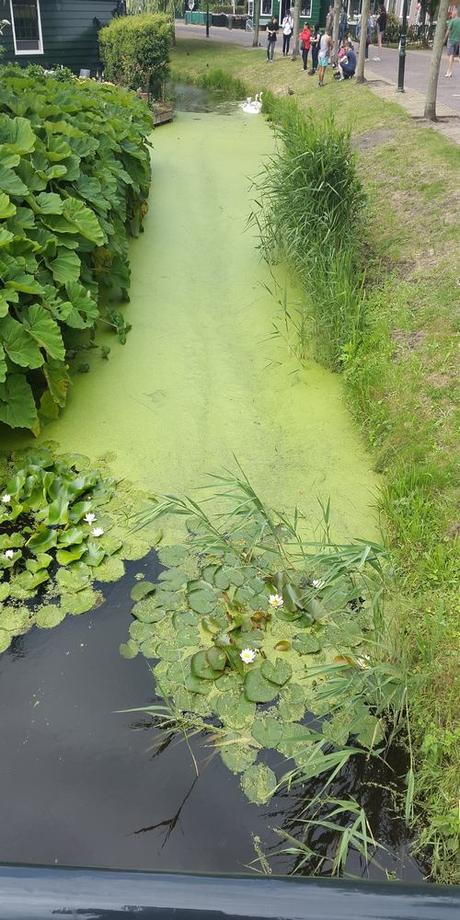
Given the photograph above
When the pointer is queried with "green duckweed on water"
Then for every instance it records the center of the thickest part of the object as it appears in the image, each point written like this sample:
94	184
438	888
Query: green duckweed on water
200	379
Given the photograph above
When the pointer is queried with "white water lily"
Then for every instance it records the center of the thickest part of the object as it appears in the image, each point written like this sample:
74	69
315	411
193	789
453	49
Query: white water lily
97	531
6	498
275	600
90	517
248	655
9	553
317	583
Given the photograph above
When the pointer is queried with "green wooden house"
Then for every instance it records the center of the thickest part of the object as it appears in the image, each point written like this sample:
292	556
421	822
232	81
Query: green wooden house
55	32
312	11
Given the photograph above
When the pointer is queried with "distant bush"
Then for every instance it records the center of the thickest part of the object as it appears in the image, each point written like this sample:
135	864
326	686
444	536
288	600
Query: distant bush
135	50
393	28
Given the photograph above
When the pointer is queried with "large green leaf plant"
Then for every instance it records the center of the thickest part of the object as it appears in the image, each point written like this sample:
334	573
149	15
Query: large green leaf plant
74	178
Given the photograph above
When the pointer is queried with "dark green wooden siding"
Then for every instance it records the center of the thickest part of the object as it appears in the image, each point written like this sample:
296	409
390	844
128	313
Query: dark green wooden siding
70	29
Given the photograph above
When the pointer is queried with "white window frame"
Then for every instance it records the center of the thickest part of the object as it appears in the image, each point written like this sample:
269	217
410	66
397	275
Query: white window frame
270	14
28	52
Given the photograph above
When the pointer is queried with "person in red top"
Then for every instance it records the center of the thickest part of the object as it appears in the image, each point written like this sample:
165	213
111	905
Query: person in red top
305	43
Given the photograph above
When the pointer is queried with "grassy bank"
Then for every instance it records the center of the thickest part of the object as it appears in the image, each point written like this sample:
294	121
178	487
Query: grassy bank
402	387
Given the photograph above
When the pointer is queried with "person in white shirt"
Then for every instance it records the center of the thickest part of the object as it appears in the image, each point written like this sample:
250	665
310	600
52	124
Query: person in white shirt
287	26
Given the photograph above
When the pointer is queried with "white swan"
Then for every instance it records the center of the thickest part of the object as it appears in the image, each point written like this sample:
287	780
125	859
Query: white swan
251	107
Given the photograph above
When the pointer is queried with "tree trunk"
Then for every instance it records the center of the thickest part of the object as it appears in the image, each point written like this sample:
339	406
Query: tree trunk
255	42
436	54
295	34
362	41
335	30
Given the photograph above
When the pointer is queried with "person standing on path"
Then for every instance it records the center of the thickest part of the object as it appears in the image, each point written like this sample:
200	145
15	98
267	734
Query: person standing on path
287	26
305	43
453	38
324	57
314	41
272	35
381	27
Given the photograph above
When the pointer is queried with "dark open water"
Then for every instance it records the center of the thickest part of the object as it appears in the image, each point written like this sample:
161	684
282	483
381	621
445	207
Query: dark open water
80	784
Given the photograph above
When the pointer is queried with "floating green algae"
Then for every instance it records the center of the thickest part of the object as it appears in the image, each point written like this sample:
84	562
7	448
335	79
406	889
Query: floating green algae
200	378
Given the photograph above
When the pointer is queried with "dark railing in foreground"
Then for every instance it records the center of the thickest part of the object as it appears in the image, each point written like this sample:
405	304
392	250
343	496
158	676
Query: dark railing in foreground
41	893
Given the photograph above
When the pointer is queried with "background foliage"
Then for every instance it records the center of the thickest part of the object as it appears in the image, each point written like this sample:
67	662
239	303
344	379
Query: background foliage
74	177
135	50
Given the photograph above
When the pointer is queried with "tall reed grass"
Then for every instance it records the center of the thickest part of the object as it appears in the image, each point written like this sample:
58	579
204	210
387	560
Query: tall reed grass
309	211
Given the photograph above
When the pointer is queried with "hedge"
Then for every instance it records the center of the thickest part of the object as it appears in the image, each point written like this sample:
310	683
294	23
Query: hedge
74	178
135	50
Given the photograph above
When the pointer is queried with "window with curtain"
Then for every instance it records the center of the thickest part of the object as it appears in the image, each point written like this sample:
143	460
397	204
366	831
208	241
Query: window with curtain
26	25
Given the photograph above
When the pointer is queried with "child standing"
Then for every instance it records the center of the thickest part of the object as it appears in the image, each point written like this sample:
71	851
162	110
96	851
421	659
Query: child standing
305	43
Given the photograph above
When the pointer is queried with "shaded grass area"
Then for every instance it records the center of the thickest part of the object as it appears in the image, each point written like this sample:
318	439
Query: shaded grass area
402	386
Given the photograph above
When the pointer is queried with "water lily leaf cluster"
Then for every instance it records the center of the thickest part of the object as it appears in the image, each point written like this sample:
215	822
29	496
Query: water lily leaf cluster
63	527
266	648
74	178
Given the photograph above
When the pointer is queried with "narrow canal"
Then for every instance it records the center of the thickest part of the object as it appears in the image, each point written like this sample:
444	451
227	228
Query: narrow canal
199	380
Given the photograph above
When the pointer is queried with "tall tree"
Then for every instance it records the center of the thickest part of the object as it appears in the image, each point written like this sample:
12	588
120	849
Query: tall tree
362	41
335	29
295	36
436	54
255	41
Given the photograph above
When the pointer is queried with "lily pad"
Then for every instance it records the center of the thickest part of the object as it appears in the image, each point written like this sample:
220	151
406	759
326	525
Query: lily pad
74	578
258	689
258	783
237	757
196	684
306	644
279	671
49	616
142	589
267	731
81	602
202	601
128	649
173	555
15	620
111	569
147	611
141	632
217	658
201	667
233	709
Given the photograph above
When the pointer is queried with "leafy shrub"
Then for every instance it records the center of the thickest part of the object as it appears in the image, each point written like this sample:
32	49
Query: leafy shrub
393	29
74	176
135	50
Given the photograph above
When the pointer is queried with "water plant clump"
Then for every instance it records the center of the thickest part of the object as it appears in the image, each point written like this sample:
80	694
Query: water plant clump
267	643
310	212
63	526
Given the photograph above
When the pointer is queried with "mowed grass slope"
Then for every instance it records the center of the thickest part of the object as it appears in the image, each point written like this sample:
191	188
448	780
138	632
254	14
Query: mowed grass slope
403	388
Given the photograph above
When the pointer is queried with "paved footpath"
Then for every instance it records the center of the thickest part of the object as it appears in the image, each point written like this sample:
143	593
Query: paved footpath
417	67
